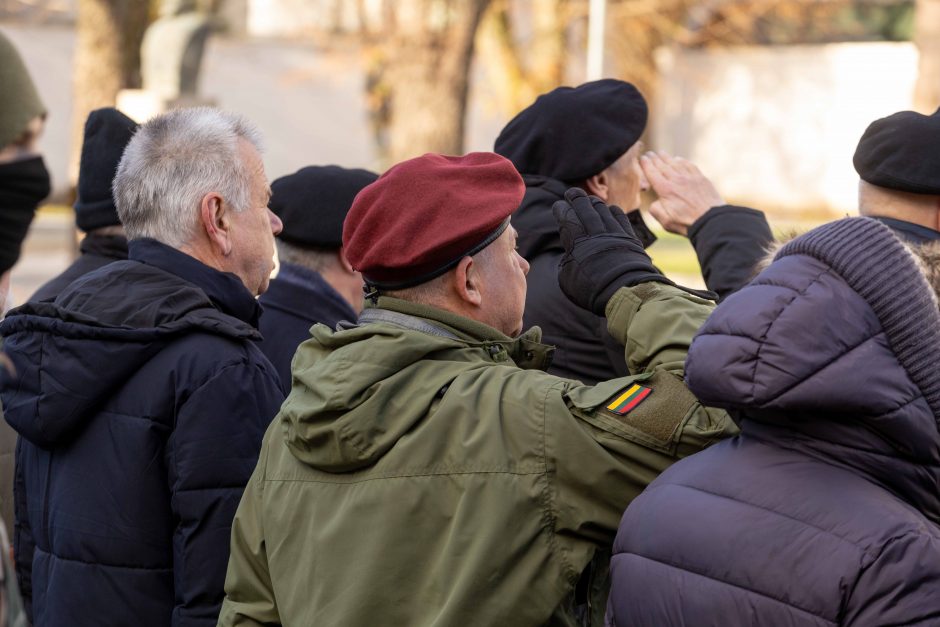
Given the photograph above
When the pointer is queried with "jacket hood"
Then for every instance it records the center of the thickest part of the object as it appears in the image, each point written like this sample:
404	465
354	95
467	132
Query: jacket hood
347	408
829	342
534	221
72	354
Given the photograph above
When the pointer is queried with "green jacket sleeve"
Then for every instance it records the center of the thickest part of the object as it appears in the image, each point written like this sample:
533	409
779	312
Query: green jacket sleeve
655	323
603	456
249	593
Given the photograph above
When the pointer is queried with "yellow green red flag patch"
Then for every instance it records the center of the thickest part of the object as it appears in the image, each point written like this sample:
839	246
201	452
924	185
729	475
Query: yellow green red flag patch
626	402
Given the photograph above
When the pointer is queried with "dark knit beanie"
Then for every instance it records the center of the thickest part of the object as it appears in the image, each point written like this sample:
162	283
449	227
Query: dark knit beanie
573	133
900	152
874	263
313	202
19	100
107	132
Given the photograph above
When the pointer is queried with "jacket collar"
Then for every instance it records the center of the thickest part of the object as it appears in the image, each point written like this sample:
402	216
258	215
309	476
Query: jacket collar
224	289
293	288
538	231
909	232
110	246
526	351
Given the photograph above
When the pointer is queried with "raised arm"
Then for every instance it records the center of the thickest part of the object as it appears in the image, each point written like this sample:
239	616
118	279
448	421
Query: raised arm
728	240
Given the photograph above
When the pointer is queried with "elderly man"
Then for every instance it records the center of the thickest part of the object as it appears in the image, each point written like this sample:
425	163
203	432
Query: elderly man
424	470
107	132
140	396
897	162
601	154
315	283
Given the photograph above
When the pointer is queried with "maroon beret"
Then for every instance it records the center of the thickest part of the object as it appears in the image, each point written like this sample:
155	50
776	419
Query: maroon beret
424	215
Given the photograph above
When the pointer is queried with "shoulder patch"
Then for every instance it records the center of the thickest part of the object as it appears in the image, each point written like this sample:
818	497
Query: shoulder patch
628	400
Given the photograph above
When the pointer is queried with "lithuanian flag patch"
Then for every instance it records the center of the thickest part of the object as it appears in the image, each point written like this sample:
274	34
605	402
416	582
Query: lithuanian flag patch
629	399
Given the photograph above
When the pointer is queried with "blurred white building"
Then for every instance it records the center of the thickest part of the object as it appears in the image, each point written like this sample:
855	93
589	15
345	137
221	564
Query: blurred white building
776	127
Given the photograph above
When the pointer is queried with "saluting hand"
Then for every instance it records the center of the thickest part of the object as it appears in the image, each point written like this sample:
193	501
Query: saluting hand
685	194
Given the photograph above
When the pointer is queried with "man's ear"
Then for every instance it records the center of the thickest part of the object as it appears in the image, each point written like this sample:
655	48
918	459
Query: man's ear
214	214
344	261
467	282
598	185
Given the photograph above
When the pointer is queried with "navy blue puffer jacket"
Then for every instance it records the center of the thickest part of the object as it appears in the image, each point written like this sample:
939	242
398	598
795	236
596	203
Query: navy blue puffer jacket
825	510
141	401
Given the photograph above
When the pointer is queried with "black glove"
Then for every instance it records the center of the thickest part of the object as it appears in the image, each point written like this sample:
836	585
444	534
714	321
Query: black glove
642	232
602	253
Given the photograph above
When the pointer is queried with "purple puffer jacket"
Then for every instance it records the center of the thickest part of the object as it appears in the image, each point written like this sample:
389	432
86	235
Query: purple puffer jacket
825	510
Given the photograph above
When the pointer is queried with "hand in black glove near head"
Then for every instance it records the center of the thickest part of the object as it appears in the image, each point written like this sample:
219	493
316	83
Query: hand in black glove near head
602	253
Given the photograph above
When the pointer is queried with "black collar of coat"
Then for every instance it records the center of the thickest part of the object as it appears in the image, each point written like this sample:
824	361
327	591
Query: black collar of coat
224	289
910	232
110	246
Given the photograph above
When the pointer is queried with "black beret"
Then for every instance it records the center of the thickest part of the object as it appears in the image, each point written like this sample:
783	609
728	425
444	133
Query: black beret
313	202
573	133
107	132
900	152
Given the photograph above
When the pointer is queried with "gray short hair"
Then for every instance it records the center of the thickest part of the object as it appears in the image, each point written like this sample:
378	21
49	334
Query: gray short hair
172	162
316	259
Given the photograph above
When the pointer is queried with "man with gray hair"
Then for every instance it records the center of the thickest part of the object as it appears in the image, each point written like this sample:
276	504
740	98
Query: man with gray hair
140	396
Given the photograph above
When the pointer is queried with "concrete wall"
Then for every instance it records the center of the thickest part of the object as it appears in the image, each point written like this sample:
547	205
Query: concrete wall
776	127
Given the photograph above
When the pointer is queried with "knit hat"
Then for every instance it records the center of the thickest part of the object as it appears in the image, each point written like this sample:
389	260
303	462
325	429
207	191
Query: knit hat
107	132
900	152
19	100
424	215
573	133
313	202
876	265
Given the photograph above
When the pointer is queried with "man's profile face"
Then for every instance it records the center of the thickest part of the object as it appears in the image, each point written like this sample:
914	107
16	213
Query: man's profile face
504	271
626	179
253	229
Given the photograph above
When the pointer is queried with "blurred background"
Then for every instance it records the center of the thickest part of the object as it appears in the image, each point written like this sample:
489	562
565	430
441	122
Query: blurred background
768	97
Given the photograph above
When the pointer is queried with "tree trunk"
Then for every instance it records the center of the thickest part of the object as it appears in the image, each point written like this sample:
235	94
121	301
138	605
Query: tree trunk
525	54
420	77
107	59
927	38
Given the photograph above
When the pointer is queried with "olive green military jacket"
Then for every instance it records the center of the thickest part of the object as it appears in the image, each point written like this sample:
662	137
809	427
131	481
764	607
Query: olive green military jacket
424	471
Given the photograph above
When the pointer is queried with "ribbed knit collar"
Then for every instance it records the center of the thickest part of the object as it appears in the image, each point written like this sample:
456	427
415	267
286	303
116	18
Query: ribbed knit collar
874	263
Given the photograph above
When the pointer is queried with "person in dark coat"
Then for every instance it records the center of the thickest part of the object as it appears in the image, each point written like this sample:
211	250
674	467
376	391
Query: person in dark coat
107	132
315	282
601	154
140	395
825	510
897	161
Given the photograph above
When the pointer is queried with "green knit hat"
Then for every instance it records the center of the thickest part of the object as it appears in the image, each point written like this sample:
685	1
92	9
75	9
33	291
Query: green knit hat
19	100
